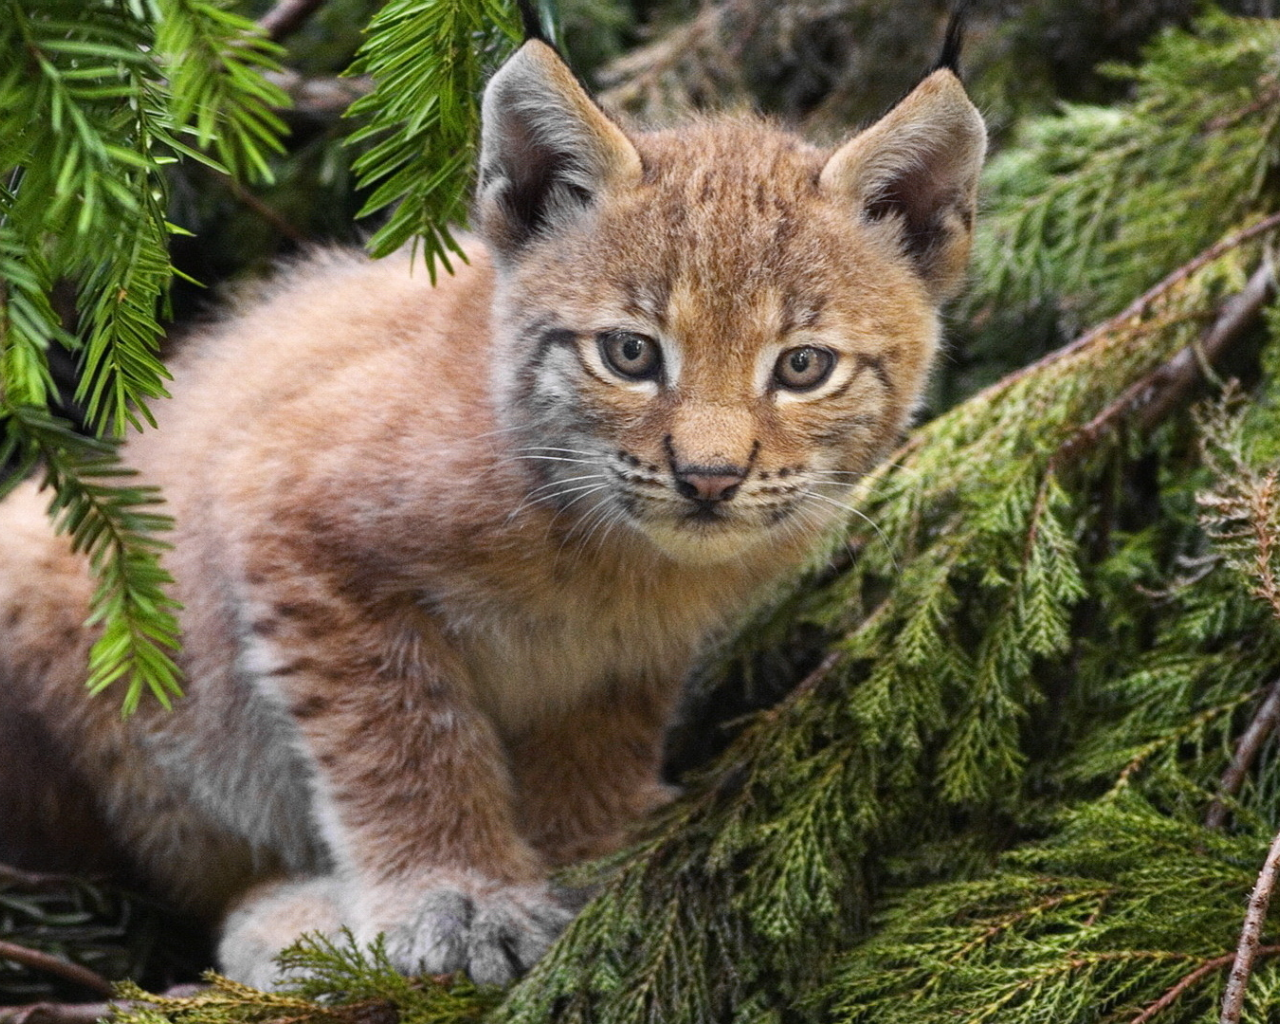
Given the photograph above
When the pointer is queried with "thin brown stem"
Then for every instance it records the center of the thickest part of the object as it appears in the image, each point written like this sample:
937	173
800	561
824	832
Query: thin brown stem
82	1013
1250	935
1184	983
41	961
1262	725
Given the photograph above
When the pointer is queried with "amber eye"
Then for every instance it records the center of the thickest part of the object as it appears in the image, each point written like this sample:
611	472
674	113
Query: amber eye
803	369
631	355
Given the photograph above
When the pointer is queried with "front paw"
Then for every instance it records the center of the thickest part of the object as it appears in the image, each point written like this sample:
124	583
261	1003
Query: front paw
493	932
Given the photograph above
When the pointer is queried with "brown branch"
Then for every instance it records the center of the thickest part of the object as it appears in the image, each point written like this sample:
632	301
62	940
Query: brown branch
1159	392
91	980
1138	306
1250	934
56	1013
1260	727
286	17
1208	967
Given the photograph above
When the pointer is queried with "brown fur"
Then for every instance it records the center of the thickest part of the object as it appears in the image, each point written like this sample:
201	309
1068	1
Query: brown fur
441	573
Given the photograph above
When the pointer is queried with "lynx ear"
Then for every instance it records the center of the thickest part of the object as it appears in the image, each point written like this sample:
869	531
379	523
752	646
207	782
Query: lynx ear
546	150
917	168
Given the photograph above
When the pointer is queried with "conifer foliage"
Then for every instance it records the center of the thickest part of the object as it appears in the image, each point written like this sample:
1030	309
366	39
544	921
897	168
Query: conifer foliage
96	98
1014	756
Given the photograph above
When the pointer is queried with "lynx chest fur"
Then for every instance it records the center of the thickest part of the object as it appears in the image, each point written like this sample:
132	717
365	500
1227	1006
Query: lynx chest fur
446	554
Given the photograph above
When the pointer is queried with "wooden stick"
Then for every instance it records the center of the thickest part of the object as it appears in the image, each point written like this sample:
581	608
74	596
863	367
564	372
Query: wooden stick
1139	305
1155	395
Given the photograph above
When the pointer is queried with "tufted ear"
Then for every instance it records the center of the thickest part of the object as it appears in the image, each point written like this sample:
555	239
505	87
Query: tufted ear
916	171
546	150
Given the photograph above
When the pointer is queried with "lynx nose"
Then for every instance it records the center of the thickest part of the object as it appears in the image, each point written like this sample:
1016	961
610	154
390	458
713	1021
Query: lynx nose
709	483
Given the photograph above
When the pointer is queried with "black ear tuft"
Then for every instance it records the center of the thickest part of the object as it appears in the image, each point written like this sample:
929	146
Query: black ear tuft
531	22
953	43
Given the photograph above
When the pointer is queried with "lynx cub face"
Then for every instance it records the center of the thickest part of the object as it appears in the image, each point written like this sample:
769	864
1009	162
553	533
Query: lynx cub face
709	351
446	555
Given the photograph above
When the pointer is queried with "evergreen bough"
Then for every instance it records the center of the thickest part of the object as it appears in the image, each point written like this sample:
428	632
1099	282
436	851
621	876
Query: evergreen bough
1021	767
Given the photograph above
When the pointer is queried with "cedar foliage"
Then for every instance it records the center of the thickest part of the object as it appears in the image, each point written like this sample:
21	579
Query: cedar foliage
1001	774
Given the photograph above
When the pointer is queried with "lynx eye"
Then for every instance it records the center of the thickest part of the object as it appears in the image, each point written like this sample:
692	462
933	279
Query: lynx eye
803	369
630	355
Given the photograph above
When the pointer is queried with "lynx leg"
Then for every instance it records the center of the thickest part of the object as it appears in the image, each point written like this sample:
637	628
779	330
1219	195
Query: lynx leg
412	795
586	778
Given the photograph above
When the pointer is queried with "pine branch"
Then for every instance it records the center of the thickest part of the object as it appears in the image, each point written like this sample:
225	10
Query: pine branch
1250	936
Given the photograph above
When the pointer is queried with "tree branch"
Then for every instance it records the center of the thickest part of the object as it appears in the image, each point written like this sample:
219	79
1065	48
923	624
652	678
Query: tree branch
1139	305
1262	725
1184	983
286	17
91	980
1250	934
1155	395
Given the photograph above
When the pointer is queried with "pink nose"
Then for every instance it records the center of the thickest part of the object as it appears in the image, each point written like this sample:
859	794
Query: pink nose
709	483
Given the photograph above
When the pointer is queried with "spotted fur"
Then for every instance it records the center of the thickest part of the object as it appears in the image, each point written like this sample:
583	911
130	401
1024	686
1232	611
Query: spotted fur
444	564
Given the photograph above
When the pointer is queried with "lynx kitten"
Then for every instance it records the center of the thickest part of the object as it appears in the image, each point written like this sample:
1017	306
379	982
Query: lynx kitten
446	554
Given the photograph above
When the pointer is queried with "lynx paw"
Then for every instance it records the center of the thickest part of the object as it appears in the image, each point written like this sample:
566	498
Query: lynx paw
495	933
270	917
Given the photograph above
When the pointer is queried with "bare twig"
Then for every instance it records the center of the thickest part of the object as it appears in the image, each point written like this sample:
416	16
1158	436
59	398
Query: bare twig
1184	983
55	965
56	1013
324	96
286	17
1250	934
1263	724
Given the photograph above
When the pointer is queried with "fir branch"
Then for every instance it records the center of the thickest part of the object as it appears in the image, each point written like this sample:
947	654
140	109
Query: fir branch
216	61
428	60
115	527
1250	935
